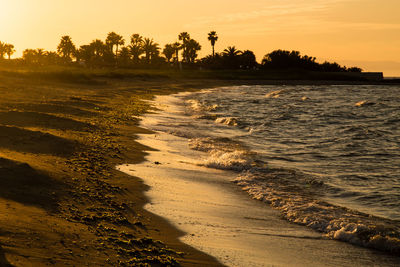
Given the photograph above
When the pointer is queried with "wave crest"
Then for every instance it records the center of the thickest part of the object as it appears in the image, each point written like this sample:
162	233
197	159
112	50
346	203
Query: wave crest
295	196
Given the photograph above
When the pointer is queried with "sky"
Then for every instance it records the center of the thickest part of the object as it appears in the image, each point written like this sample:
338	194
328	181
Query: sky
364	33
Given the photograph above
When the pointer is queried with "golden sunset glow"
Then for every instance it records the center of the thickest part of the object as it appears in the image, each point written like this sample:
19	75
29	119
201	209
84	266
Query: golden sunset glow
352	32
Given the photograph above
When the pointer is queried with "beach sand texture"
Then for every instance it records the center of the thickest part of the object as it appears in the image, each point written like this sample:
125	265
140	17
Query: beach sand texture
62	202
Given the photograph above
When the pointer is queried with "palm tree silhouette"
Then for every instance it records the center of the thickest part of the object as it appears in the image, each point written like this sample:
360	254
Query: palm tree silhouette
213	37
2	50
124	56
98	48
192	46
150	48
136	47
184	37
114	39
9	50
66	48
231	52
177	46
169	51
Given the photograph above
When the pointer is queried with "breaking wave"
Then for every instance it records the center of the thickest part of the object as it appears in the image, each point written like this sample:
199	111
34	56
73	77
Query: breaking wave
297	198
340	154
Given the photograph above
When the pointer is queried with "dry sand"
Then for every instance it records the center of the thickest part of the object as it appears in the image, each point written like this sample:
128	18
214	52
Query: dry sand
61	200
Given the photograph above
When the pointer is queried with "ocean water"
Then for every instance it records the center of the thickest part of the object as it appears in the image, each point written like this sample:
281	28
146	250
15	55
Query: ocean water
327	157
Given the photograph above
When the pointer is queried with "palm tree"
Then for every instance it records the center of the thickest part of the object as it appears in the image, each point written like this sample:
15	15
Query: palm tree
124	56
85	53
98	47
51	58
114	39
2	50
248	60
184	37
39	54
231	52
34	55
169	51
29	55
9	50
213	37
231	57
192	46
136	47
177	46
151	49
66	49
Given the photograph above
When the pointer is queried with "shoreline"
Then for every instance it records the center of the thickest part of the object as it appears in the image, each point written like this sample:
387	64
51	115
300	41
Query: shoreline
67	138
59	147
164	162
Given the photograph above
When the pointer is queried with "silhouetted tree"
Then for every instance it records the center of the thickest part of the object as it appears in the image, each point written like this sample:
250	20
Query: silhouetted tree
151	49
86	54
231	57
40	54
331	67
213	37
9	50
136	47
177	46
66	49
212	62
184	37
169	51
124	56
231	52
288	59
282	59
28	55
99	48
247	60
116	40
2	50
190	52
51	58
34	56
354	69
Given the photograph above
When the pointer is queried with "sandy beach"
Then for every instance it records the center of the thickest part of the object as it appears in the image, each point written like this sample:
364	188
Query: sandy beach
221	220
63	202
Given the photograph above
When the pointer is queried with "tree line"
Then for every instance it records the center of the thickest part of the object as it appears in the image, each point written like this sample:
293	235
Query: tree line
144	52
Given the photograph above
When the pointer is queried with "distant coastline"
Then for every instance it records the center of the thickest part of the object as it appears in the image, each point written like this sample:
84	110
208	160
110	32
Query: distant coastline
144	53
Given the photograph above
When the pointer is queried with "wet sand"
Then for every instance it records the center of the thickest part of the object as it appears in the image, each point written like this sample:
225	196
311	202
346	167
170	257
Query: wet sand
223	221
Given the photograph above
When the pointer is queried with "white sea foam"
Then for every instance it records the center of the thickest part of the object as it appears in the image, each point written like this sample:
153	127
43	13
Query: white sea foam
196	105
224	154
292	194
227	121
297	196
229	160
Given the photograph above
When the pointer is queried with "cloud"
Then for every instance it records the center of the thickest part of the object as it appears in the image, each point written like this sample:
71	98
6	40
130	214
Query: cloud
277	11
283	17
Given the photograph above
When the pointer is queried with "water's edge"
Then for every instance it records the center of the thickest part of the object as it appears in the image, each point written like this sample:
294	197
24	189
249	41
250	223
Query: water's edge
373	232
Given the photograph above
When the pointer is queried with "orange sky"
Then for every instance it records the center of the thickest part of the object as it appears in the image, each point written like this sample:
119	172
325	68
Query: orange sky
353	32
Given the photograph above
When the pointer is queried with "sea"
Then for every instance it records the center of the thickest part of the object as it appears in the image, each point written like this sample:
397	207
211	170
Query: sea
326	156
